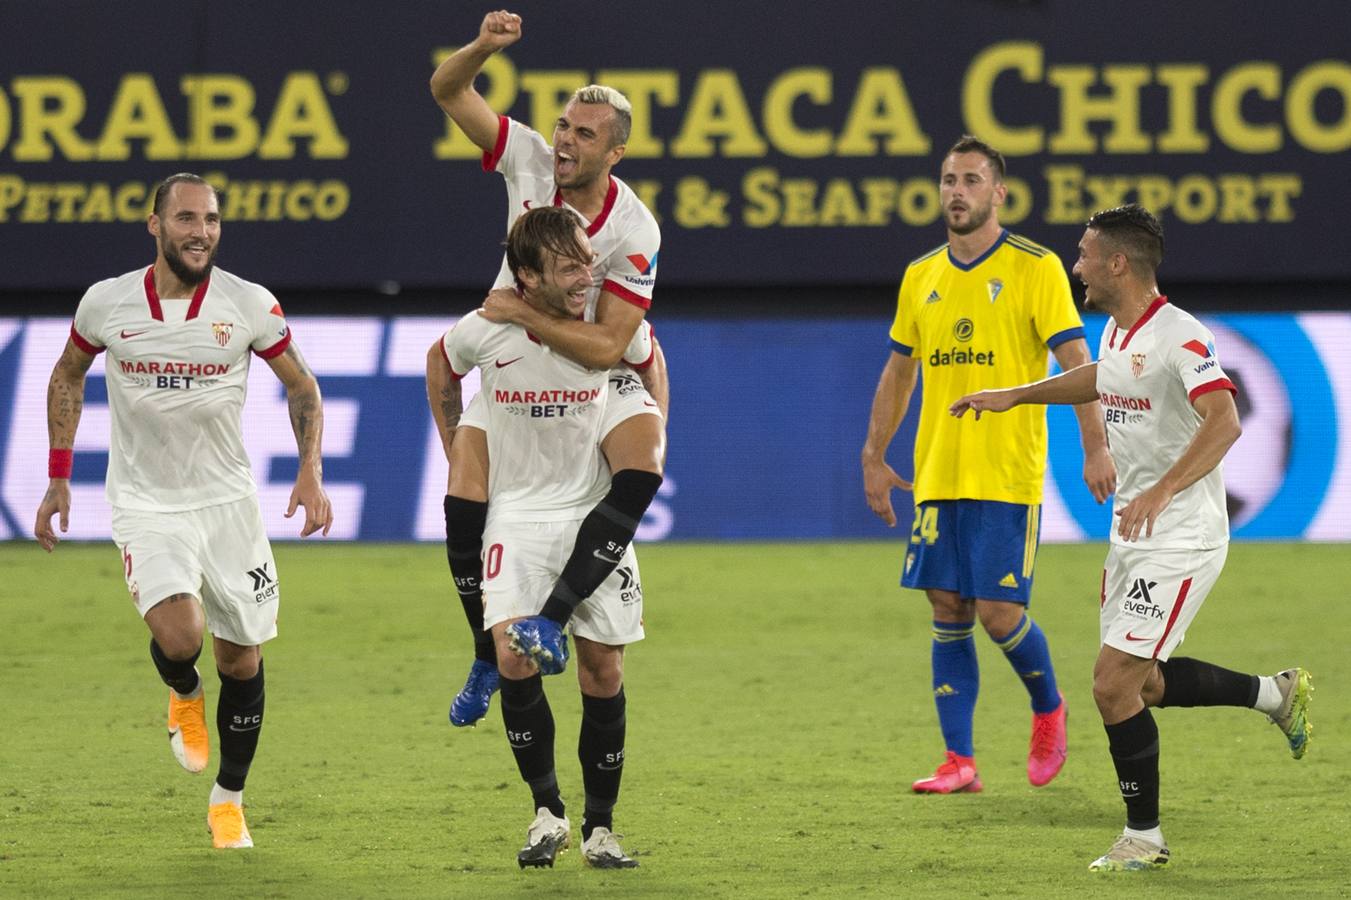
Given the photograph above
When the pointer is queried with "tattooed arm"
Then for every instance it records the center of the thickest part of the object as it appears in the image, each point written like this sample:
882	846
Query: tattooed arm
307	421
443	396
65	402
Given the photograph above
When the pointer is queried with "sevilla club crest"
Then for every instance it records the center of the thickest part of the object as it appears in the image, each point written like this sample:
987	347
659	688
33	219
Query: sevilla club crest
1137	364
222	331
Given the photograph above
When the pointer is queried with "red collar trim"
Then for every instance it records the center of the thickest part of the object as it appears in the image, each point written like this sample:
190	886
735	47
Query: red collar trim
152	296
1154	307
597	223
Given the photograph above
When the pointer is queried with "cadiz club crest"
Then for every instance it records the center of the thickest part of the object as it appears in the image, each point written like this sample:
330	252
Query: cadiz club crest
222	331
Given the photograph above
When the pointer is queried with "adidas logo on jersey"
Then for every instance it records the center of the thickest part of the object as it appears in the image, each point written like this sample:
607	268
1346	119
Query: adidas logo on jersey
945	690
933	297
1008	581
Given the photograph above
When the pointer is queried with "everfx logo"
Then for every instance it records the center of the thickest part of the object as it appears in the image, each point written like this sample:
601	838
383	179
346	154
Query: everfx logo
264	584
260	576
1140	590
630	589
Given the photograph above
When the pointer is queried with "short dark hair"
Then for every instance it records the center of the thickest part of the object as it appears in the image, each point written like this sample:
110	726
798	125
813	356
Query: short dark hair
969	143
544	230
1136	231
162	192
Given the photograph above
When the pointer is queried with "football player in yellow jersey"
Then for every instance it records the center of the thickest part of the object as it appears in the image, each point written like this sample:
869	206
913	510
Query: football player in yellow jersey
982	311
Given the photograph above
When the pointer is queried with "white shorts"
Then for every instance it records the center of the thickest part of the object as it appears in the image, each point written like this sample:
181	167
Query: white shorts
521	563
219	554
625	399
1149	597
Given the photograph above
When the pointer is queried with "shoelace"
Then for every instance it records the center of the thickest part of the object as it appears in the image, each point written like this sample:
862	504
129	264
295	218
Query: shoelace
1127	847
478	680
1043	736
950	766
228	822
192	727
609	845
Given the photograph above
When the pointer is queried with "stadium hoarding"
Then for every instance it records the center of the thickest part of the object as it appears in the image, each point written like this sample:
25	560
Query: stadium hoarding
801	155
766	448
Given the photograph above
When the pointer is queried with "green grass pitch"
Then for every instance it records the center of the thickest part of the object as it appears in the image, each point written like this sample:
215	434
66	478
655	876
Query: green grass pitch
778	711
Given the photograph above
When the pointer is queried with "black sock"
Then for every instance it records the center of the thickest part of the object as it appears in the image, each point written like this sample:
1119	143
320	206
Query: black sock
1191	682
465	521
178	674
1134	745
239	720
530	731
601	540
601	751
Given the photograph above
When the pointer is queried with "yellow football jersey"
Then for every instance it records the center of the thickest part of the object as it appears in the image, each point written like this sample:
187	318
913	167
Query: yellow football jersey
989	324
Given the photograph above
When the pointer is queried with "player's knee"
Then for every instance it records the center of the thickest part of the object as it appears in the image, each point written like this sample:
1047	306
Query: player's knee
1110	696
601	680
179	646
948	607
177	629
513	665
1000	619
238	662
638	443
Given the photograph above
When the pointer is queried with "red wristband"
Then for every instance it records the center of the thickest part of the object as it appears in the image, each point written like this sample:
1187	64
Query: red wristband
59	463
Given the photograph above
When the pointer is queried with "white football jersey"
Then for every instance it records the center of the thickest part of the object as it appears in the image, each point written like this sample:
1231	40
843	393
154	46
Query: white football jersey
1148	378
176	373
624	235
545	414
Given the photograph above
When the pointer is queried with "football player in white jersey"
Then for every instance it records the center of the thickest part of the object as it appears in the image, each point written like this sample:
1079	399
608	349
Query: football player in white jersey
1171	418
185	506
546	417
588	140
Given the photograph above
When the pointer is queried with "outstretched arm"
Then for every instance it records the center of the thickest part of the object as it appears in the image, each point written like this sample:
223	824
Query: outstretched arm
443	396
890	401
307	421
1219	429
65	403
453	81
1099	469
1078	385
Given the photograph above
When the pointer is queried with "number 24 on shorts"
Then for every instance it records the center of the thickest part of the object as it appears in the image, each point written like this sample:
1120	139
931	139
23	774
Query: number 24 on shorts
926	525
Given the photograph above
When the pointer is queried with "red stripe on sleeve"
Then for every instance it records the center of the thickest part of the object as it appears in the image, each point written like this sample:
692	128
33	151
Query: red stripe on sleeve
276	349
642	366
626	295
453	374
492	157
78	340
1219	384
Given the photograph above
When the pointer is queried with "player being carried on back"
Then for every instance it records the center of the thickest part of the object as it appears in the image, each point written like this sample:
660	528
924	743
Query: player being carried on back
574	173
548	474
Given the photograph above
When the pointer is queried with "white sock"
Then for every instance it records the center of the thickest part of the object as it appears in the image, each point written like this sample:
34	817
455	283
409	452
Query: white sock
1268	695
221	795
1152	835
